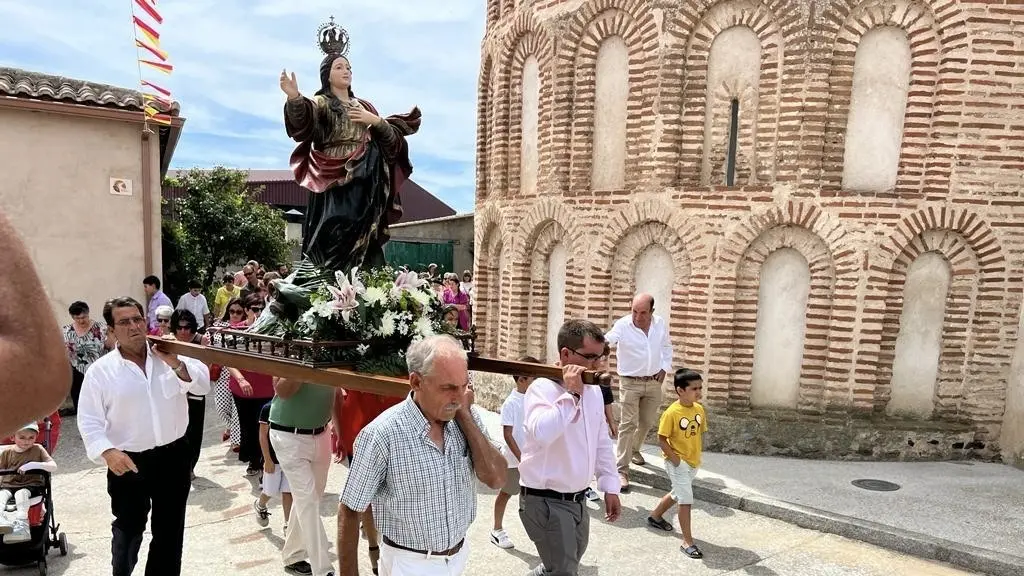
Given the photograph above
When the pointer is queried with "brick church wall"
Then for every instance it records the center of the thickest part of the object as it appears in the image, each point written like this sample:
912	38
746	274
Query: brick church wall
957	193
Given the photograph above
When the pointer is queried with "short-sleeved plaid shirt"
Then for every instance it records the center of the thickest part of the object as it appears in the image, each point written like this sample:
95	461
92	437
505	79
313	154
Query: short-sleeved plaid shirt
423	498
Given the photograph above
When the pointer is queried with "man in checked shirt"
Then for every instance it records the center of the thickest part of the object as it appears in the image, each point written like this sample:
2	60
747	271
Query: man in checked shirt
415	463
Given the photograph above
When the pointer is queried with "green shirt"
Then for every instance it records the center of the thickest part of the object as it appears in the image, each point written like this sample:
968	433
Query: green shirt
310	407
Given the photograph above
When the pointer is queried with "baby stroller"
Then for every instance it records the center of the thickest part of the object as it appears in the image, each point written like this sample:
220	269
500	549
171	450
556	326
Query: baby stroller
43	527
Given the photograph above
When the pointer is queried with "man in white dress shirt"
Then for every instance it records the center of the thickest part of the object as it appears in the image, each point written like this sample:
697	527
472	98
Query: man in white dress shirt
644	357
132	414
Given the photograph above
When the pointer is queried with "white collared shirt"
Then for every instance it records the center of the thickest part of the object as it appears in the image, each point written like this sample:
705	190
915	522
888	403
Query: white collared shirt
122	407
641	355
196	305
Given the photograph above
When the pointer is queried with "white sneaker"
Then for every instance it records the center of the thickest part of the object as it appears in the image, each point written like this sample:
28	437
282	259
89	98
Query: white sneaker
500	539
592	495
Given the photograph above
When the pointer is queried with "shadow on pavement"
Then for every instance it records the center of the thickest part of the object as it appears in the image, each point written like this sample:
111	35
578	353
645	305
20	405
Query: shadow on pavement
731	558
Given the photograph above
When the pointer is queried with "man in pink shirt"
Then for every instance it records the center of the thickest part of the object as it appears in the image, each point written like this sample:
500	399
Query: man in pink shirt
566	442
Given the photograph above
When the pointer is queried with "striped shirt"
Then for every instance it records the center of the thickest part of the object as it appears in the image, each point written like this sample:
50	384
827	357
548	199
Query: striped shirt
423	498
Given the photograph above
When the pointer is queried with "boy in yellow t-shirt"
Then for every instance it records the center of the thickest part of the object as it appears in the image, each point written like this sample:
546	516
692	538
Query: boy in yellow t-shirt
680	432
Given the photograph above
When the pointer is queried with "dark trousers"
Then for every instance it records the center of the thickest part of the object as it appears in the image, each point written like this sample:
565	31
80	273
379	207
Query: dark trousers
248	410
161	485
194	432
559	528
76	386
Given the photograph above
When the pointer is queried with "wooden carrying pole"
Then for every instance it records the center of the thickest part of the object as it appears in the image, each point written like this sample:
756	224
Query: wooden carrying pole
349	379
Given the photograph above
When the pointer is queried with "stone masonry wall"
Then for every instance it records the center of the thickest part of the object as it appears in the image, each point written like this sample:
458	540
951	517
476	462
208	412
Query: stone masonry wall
958	193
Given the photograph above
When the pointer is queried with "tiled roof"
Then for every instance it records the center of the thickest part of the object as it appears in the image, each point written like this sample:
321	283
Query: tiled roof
37	86
279	189
258	176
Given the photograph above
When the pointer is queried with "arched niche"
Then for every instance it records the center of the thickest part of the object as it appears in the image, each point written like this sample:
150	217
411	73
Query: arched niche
785	284
915	368
878	104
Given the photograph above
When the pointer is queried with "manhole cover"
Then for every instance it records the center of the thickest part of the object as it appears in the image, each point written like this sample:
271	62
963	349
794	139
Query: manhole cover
876	485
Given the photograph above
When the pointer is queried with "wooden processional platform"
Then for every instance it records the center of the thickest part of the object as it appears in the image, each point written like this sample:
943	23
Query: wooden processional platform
276	362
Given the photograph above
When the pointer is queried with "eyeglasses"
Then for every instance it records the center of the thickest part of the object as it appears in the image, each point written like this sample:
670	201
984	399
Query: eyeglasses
588	357
126	322
256	309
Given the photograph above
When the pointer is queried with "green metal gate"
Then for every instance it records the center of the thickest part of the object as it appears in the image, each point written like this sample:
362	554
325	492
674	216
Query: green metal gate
418	255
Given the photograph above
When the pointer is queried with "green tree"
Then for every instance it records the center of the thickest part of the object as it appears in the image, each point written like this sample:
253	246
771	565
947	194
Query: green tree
219	221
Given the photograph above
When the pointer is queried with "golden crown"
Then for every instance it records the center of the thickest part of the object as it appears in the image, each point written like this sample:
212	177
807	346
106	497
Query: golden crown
333	39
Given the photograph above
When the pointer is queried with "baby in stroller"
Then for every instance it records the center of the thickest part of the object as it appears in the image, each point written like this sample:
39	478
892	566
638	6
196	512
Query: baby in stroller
17	491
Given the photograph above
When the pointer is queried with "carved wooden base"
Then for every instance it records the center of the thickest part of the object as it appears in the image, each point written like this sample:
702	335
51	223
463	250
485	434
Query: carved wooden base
258	357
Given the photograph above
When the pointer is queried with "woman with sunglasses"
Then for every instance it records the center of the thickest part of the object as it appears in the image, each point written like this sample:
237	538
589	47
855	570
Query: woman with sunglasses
234	317
185	328
250	390
163	321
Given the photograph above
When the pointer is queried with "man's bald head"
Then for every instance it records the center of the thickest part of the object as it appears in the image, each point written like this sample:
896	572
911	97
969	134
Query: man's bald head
643	308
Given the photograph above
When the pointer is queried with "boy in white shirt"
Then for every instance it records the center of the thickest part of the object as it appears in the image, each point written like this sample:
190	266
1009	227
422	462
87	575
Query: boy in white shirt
512	417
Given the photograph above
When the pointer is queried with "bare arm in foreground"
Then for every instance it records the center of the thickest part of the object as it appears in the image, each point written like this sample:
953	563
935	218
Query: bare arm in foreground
36	368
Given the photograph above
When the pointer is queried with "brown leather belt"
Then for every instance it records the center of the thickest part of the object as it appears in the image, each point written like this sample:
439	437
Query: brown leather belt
449	552
642	378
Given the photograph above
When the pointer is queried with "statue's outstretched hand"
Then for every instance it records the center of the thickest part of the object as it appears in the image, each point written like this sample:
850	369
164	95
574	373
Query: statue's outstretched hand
289	85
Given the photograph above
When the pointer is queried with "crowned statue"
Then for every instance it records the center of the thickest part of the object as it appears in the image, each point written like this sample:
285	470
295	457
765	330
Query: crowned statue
353	162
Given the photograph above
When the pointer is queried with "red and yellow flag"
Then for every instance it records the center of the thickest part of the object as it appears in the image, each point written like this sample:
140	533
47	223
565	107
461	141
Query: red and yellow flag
156	99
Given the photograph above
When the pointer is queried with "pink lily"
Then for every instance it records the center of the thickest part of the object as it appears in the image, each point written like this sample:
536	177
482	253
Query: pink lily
406	281
345	300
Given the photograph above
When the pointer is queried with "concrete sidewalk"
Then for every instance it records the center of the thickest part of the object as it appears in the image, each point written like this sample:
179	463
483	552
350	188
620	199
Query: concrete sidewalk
969	514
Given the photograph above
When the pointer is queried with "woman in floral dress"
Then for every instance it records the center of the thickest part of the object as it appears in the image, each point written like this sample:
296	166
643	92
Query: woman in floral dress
86	340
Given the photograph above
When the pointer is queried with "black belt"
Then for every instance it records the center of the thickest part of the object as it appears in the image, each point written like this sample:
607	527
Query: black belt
570	496
449	552
293	430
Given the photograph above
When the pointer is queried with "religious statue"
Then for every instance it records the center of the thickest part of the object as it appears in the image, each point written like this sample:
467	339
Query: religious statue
351	160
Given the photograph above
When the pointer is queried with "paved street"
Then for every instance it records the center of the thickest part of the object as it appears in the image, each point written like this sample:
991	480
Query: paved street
223	538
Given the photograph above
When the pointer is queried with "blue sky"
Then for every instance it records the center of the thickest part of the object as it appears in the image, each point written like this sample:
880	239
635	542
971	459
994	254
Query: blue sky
228	55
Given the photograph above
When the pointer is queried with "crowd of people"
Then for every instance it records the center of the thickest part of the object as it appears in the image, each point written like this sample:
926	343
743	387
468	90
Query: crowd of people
414	461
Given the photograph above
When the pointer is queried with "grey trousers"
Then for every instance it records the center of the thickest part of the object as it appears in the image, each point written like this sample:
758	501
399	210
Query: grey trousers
560	529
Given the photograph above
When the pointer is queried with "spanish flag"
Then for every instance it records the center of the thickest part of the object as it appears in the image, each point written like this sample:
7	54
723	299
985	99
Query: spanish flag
165	68
152	50
148	8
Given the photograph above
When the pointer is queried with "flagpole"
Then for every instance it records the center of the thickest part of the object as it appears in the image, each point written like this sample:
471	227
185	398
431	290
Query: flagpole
138	66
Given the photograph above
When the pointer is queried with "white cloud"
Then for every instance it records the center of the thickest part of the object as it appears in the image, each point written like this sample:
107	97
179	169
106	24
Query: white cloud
228	54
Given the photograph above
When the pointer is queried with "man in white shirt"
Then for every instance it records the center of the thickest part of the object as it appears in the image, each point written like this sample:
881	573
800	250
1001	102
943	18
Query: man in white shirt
565	445
644	357
195	302
132	414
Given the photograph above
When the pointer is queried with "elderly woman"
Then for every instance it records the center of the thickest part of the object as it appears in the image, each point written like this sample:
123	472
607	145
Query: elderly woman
163	321
86	340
